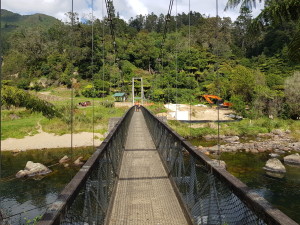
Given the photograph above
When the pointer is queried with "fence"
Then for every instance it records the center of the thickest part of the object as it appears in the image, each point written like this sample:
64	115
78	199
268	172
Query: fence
85	200
210	194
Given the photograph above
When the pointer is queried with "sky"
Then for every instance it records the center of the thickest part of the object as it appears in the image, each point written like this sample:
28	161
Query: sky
126	8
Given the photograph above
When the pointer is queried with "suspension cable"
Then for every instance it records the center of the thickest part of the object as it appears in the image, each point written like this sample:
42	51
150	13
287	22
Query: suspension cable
0	91
165	29
190	125
72	88
103	49
110	18
218	76
176	62
167	20
93	78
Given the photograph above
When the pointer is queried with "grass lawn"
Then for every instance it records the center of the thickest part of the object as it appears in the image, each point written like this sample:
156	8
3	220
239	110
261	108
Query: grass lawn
245	127
19	128
18	123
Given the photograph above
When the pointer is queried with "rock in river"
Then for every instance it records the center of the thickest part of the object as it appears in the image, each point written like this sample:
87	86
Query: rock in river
232	139
33	169
274	155
292	159
274	165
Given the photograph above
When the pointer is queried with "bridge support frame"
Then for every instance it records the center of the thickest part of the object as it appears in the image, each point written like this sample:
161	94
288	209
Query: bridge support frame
142	89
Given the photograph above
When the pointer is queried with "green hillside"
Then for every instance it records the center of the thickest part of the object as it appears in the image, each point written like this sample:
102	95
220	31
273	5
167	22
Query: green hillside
12	21
253	71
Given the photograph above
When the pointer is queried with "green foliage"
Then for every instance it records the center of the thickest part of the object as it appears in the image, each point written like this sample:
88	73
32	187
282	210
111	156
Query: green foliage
89	91
238	104
83	119
185	130
21	126
107	103
12	96
23	83
157	108
99	89
34	221
243	83
292	87
235	64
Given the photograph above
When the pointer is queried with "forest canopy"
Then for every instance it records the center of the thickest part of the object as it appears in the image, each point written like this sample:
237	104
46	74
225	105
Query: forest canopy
220	56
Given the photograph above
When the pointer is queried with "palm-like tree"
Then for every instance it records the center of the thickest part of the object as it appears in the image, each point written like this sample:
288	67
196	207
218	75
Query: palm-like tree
276	11
244	3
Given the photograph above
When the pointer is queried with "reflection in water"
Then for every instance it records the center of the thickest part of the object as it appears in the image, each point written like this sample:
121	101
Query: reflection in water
283	193
24	199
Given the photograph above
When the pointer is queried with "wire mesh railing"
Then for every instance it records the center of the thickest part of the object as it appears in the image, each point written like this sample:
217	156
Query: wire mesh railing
210	194
85	200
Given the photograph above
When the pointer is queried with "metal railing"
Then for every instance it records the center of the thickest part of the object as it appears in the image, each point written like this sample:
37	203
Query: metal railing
85	200
210	194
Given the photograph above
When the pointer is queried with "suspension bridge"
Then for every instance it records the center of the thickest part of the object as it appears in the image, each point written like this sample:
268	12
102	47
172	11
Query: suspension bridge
145	173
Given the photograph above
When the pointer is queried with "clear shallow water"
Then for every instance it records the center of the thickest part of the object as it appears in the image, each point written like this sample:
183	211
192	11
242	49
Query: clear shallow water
283	193
28	198
24	199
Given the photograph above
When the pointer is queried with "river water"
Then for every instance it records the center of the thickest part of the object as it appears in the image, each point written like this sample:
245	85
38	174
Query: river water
25	199
283	193
248	167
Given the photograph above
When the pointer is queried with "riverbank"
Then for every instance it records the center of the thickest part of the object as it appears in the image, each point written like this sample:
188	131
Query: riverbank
44	140
277	141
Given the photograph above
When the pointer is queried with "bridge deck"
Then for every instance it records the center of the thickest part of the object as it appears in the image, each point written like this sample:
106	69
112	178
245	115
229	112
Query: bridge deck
144	193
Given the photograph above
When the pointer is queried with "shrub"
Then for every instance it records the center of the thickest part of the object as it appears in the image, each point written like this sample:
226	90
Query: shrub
107	104
12	96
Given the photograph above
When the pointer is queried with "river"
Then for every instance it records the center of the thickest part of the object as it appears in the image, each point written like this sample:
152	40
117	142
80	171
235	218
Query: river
25	199
248	167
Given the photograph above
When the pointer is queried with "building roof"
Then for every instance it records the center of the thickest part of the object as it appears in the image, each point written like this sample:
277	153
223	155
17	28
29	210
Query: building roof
119	94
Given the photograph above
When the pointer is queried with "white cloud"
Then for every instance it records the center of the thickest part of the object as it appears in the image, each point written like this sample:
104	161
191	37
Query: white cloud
138	7
126	8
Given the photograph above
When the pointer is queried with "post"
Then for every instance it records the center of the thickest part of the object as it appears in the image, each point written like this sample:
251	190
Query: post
133	91
142	91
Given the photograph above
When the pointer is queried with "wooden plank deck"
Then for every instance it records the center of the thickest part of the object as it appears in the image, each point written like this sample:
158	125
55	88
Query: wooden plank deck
144	193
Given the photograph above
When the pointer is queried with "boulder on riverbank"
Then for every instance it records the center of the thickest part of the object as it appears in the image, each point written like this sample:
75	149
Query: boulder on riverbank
64	160
78	161
274	166
274	155
228	139
276	146
277	141
292	159
219	163
33	169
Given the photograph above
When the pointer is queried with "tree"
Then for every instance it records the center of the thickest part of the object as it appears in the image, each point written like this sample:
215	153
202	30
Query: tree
292	94
243	83
12	96
241	30
275	12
